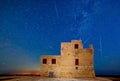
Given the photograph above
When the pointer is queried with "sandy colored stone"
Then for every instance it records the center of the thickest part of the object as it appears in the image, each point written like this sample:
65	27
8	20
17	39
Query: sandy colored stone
65	63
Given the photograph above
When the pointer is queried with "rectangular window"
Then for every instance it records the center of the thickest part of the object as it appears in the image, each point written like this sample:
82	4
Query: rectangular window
76	46
76	61
53	61
44	61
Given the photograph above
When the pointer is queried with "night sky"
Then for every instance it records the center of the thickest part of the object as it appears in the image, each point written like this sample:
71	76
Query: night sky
31	28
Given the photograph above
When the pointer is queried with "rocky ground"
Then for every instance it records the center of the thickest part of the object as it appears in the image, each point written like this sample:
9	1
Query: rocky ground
57	79
34	78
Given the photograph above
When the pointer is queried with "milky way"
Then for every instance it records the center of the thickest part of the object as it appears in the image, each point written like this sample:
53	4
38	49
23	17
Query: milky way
31	28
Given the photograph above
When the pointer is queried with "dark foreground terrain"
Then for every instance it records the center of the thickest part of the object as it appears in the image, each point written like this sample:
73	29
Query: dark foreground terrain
37	78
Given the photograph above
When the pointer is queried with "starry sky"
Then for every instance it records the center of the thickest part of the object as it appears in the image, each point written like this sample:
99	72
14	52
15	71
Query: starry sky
31	28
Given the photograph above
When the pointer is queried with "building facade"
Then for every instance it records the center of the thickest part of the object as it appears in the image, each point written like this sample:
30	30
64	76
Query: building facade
74	62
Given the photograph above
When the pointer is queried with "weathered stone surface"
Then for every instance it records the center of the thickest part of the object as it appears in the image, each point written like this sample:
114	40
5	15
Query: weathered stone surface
65	66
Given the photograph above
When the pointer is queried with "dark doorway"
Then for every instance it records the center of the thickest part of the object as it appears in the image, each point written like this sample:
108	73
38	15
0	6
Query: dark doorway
51	74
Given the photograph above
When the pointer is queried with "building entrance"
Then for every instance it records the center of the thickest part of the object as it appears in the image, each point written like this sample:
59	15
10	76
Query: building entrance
51	74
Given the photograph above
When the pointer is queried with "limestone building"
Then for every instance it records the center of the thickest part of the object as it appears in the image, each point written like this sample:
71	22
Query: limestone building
74	62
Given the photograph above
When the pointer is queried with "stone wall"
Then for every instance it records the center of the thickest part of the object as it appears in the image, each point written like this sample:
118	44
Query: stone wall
65	66
49	67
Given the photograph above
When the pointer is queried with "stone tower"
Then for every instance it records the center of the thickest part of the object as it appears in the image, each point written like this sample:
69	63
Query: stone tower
74	62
